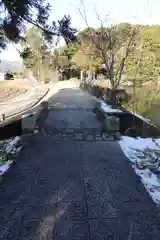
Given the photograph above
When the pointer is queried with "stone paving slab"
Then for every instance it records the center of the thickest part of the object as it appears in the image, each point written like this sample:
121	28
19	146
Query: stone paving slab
99	199
74	190
73	210
72	230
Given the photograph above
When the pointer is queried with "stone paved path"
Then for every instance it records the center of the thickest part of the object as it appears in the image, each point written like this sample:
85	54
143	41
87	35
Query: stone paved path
74	190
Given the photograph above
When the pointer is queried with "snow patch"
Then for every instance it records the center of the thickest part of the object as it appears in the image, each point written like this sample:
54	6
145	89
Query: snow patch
108	108
145	156
4	168
151	183
8	148
11	144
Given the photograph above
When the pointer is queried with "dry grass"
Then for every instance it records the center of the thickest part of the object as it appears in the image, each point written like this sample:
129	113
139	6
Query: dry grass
16	83
154	114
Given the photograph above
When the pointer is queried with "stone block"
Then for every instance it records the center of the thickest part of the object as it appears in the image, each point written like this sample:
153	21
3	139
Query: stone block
29	122
111	124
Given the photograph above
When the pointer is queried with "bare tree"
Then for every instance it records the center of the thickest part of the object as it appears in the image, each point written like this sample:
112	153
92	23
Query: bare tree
112	51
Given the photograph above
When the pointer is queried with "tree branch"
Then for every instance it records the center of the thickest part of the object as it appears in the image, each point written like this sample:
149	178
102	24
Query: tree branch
100	48
122	64
40	27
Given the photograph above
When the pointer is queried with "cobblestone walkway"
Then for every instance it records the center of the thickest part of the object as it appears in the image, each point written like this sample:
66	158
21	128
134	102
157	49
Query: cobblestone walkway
63	189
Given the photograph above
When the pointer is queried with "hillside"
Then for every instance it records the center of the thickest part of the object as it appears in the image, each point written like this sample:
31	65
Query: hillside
13	66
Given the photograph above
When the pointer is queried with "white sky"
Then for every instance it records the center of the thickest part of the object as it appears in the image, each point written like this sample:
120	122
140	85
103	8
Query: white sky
137	11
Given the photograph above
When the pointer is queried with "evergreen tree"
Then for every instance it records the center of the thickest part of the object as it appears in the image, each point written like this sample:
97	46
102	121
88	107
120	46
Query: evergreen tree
15	14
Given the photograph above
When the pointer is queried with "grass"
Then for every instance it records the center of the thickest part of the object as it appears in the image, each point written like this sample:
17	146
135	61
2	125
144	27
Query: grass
6	157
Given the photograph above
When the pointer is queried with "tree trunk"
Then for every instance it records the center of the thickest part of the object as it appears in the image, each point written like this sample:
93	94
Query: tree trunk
114	96
134	97
113	92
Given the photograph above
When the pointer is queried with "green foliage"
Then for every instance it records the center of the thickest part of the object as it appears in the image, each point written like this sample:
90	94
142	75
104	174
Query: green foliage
142	69
36	54
69	50
7	157
144	62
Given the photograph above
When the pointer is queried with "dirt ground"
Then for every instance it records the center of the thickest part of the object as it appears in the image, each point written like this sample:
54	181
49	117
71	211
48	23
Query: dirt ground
9	91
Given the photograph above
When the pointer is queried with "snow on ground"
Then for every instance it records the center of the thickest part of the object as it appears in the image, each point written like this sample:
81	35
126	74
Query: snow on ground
11	144
108	108
8	150
4	167
145	156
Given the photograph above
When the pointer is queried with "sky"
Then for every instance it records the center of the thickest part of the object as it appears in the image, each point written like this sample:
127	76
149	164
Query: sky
110	11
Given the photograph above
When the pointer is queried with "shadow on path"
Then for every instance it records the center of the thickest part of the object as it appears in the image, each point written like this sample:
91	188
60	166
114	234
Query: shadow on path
74	190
